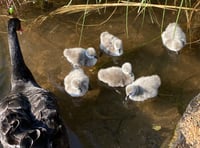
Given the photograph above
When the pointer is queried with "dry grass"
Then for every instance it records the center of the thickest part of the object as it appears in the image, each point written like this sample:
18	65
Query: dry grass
91	7
69	9
189	17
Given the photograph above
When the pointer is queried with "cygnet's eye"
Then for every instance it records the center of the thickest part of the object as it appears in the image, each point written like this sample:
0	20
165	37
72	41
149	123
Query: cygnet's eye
96	57
183	42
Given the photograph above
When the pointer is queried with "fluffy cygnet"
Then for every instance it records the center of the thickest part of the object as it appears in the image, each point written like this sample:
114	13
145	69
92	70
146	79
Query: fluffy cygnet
76	83
110	44
173	37
80	56
143	88
117	76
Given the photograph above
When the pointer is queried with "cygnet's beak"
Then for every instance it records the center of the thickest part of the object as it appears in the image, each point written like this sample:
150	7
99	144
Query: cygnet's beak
131	74
96	57
126	98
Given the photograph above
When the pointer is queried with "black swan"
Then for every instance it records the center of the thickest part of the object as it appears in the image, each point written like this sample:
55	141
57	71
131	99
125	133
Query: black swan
29	114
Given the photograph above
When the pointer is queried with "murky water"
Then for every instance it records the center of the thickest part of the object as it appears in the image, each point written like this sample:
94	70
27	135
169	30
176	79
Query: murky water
101	119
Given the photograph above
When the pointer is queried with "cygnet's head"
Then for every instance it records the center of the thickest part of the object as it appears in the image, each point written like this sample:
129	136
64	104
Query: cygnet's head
80	87
118	47
131	90
91	53
127	68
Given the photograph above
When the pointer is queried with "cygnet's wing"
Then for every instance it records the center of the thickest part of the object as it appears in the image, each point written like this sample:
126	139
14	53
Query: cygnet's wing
74	55
173	32
105	39
147	87
76	83
113	76
106	43
148	82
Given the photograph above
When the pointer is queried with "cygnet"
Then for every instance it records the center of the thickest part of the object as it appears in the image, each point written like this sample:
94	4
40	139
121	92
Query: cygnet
117	76
76	83
173	37
110	44
143	88
80	56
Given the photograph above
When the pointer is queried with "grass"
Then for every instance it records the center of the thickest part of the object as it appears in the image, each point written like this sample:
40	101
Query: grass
143	6
69	8
127	19
83	23
91	7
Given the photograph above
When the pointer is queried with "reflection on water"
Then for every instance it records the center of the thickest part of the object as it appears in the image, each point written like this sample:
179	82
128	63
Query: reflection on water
101	118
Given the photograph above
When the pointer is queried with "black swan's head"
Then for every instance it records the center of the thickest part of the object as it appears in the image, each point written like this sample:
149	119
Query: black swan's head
14	24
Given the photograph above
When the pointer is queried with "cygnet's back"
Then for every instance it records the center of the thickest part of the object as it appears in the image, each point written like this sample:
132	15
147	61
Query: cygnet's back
143	88
110	44
117	76
173	37
76	83
80	56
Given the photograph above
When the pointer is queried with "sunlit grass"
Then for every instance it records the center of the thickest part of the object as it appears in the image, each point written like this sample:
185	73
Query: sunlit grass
143	6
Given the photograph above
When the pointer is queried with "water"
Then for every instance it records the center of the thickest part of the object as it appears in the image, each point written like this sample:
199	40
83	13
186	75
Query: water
101	119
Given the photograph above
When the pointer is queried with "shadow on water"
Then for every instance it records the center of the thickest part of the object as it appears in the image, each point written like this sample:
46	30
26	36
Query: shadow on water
101	118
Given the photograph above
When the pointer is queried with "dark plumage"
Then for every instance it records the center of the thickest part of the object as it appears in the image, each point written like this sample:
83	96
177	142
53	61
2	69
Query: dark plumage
29	114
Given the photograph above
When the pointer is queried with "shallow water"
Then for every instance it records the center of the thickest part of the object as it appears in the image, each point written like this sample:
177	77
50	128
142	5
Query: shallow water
101	118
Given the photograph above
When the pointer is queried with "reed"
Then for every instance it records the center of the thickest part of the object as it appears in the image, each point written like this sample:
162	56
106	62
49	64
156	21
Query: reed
143	6
82	26
91	7
69	8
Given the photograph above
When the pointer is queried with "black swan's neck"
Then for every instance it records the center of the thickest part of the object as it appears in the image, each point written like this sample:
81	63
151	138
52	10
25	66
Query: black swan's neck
20	72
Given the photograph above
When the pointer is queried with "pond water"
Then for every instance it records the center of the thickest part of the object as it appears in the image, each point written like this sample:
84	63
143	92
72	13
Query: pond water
101	119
